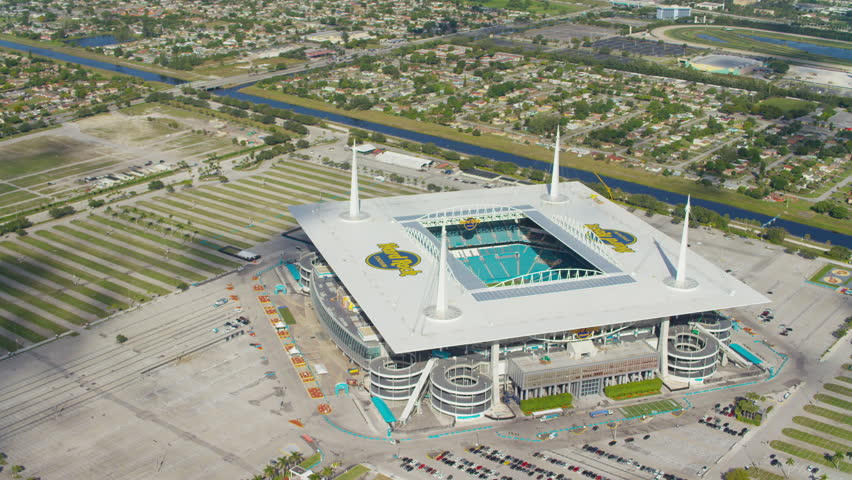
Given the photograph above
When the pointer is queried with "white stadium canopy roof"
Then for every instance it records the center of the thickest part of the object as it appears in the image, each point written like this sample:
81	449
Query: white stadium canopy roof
632	288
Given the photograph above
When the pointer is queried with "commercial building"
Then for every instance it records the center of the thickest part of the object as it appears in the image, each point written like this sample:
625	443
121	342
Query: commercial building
522	291
724	64
672	12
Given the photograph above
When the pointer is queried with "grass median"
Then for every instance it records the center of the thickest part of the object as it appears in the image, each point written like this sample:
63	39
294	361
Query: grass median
831	387
216	233
197	252
8	344
809	455
65	282
21	330
51	261
829	414
226	225
833	430
815	440
103	257
833	401
53	293
366	184
242	208
53	309
130	253
157	249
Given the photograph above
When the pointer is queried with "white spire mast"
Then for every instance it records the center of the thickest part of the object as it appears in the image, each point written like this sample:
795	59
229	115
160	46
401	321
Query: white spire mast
441	310
554	175
354	202
355	214
680	278
441	300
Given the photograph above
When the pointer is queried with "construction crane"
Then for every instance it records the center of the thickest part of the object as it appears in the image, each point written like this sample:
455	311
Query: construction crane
605	186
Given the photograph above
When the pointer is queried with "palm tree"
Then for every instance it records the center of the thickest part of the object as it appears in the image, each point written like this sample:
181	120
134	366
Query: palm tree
296	458
282	463
257	477
270	472
326	472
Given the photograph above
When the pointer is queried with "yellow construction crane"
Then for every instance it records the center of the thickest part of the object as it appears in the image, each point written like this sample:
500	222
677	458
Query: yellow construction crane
605	186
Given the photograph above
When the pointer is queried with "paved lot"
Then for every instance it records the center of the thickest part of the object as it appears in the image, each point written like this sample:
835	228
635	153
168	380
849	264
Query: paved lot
85	407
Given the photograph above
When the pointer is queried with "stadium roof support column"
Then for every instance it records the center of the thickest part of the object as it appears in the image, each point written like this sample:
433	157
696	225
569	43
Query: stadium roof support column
663	347
553	196
441	310
355	214
441	300
680	281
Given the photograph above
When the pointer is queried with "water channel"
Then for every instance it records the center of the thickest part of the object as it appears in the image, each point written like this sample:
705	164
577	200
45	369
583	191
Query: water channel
794	228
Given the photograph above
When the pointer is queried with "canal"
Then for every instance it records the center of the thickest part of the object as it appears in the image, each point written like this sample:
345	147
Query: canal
795	228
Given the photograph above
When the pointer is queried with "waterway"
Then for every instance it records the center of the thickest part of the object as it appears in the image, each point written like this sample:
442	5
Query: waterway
64	57
794	228
834	52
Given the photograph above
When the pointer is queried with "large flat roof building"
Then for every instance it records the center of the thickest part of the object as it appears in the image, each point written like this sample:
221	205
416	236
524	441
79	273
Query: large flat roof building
458	289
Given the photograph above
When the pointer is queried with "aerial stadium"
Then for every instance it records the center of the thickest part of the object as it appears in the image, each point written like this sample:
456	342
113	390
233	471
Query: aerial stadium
522	292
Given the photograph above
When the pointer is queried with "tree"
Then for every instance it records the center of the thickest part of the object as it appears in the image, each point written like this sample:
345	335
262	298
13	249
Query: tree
838	252
59	212
120	338
737	474
156	185
326	472
296	458
270	472
775	235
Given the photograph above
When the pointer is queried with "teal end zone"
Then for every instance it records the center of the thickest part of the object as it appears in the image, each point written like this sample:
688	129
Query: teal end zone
384	410
746	353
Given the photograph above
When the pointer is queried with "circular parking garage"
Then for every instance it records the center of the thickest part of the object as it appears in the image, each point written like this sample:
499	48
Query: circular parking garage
691	354
394	378
459	389
713	322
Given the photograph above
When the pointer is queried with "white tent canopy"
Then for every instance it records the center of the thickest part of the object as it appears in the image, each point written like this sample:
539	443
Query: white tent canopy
403	160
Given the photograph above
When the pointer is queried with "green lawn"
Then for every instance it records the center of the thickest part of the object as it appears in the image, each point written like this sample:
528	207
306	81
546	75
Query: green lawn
38	302
788	104
562	400
649	408
844	379
808	455
833	401
834	430
36	154
131	253
286	316
198	221
16	197
98	253
353	473
203	216
829	414
197	252
242	208
21	330
820	442
64	282
759	474
367	183
132	241
831	387
59	173
52	261
8	344
311	461
53	293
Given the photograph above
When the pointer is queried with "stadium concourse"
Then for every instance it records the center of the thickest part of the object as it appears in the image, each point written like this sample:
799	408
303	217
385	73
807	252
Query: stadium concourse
519	292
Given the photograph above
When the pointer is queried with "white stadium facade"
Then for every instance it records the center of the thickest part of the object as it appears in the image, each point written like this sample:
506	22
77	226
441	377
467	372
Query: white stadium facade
522	291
